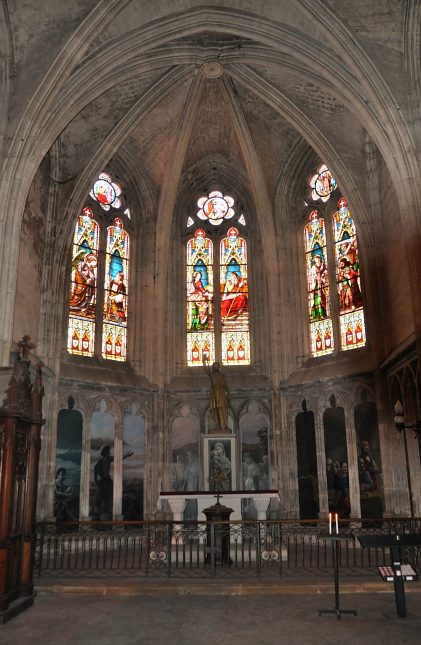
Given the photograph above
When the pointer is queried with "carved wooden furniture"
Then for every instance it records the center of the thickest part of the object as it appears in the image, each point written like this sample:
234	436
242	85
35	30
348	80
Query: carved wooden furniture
20	425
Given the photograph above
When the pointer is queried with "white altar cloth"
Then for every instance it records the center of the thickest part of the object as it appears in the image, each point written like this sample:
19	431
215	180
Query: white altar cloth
177	502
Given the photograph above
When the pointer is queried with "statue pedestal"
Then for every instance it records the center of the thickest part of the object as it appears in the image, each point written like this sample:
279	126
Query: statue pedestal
218	431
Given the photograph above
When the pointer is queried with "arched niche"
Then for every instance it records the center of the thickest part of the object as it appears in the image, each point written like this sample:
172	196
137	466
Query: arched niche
185	470
101	449
334	428
254	432
369	460
305	436
254	450
68	463
133	425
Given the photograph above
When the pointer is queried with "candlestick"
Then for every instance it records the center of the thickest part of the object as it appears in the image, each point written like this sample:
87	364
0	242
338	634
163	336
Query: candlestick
336	521
330	523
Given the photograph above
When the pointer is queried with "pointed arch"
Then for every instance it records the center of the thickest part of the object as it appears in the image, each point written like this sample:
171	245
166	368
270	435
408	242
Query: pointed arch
235	334
348	279
99	290
83	290
200	307
318	289
114	330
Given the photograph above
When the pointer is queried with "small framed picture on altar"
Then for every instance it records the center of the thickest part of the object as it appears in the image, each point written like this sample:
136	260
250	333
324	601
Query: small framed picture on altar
219	463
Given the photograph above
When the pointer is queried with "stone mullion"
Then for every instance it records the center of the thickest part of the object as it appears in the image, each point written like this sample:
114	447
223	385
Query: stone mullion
288	465
118	467
85	469
154	454
352	452
321	463
275	446
333	287
47	457
391	450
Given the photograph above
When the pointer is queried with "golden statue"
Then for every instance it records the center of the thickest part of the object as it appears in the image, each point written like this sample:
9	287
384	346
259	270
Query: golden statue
218	395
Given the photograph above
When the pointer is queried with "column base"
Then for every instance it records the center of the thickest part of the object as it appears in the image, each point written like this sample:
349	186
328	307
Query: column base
16	607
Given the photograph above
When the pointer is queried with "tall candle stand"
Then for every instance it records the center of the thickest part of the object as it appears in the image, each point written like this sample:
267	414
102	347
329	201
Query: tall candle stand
335	537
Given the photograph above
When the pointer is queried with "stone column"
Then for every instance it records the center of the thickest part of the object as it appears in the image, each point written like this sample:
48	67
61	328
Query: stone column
118	467
321	463
351	447
85	469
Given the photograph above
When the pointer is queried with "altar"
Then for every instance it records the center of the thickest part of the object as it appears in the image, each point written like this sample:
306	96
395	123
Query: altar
177	502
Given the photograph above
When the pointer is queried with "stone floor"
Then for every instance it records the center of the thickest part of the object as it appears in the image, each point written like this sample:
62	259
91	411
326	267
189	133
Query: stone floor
191	618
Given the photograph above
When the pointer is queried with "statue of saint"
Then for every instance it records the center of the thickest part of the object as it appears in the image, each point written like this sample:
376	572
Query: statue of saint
218	395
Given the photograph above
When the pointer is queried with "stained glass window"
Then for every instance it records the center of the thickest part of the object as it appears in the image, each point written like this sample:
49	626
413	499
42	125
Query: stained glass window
235	338
115	292
322	184
83	290
217	323
107	192
100	315
200	299
215	207
351	313
318	286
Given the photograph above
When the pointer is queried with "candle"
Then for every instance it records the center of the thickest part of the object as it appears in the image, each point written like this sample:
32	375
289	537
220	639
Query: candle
330	523
336	520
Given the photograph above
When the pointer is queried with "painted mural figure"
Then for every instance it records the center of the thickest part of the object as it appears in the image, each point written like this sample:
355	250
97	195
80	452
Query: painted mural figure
370	465
178	479
366	484
104	484
344	504
82	298
191	472
264	473
337	478
63	495
219	468
218	395
251	473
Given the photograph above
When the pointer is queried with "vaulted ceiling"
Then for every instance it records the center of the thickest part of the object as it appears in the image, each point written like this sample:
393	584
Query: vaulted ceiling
176	95
135	79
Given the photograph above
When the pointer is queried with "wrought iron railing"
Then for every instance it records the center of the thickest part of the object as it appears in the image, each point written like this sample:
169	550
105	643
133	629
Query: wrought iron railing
271	549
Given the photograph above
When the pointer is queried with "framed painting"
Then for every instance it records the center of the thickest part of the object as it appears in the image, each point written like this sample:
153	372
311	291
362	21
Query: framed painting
219	463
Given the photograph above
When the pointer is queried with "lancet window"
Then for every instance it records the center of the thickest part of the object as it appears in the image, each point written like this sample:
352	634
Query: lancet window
335	322
98	288
217	317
